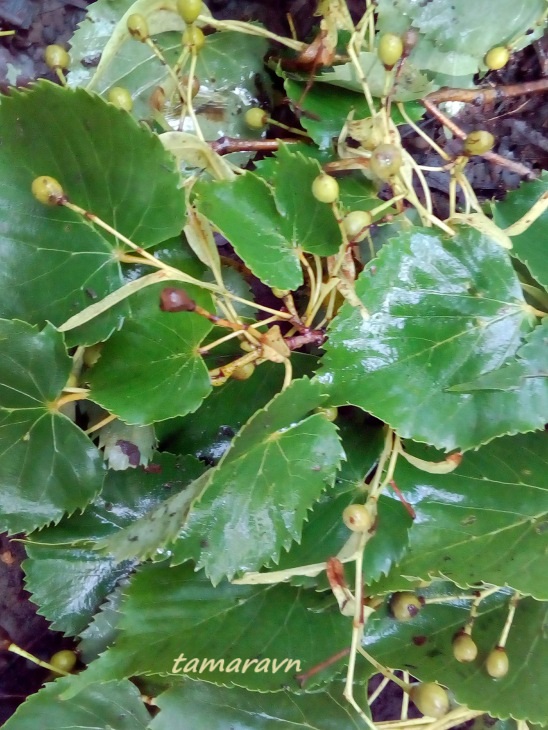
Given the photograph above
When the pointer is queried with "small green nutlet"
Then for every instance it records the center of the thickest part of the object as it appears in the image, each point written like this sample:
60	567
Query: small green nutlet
189	10
138	27
390	49
325	188
194	38
56	57
120	98
497	58
497	664
385	162
358	518
430	698
255	118
48	191
478	142
356	224
65	660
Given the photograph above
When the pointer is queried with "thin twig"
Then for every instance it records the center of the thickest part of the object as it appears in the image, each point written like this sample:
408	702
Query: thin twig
226	145
488	94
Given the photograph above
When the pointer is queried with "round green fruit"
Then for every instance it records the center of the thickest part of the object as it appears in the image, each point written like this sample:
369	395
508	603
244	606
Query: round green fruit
120	98
194	38
430	698
405	605
386	161
189	10
497	58
356	224
255	118
390	49
478	142
325	188
358	518
464	648
56	57
330	414
497	663
138	27
244	372
47	190
64	660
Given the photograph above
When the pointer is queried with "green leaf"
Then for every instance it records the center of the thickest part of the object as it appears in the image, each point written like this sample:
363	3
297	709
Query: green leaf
528	246
147	536
62	556
69	584
151	369
47	465
423	647
226	410
245	213
103	629
259	493
326	110
486	521
531	363
307	223
105	706
176	612
441	312
217	708
54	262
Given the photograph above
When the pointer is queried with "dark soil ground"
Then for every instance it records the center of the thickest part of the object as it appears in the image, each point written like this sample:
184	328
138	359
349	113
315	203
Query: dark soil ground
518	123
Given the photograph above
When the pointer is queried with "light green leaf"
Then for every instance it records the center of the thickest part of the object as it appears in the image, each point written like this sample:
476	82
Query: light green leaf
151	370
47	465
245	213
259	493
177	611
486	521
529	247
441	312
105	706
54	262
216	708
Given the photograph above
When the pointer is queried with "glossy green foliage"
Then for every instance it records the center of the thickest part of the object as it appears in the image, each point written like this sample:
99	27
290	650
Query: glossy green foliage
43	455
54	263
112	705
439	313
179	612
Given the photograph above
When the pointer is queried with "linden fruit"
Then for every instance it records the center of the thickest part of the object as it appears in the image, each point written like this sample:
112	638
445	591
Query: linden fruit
64	660
138	27
255	118
497	58
430	698
244	371
193	37
386	161
330	414
405	605
390	49
478	142
356	224
189	10
464	648
325	188
120	98
47	190
56	57
497	664
358	518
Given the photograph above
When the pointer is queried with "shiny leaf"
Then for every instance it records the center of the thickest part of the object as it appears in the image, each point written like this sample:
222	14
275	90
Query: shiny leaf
245	213
54	263
216	708
103	706
259	493
441	312
177	611
47	465
151	370
486	521
528	246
